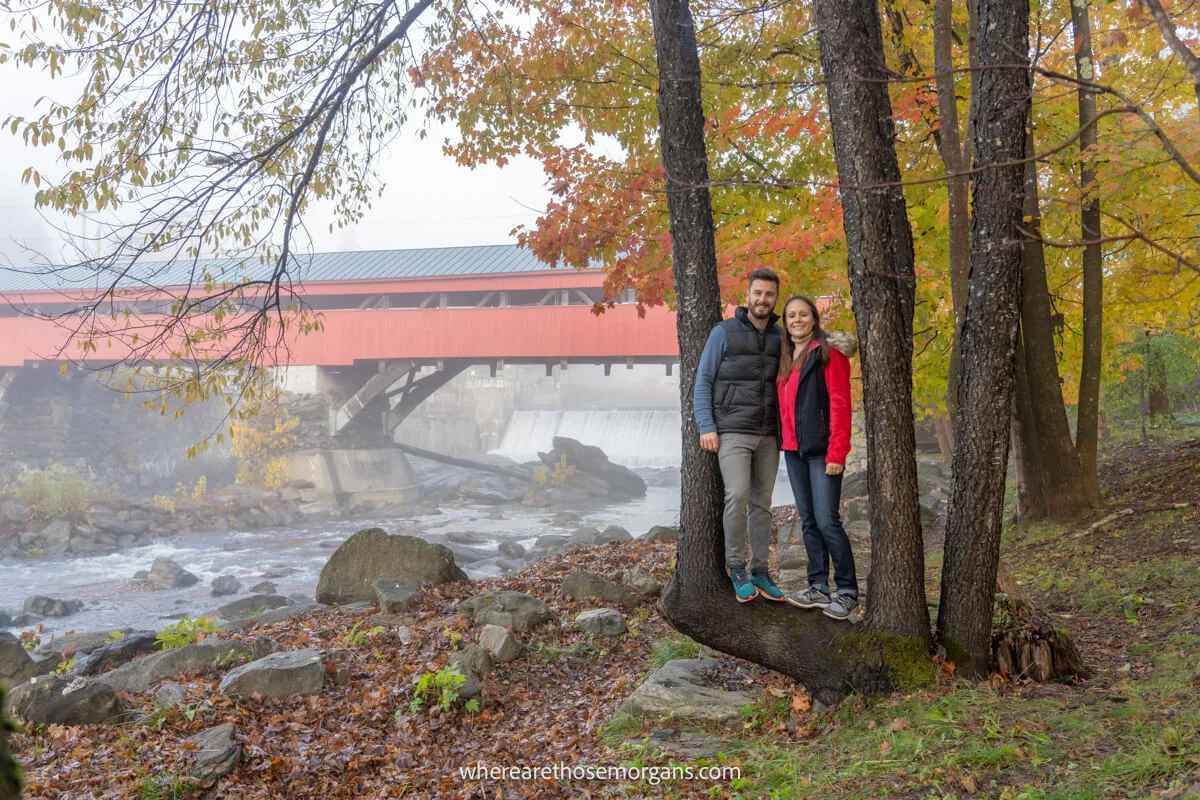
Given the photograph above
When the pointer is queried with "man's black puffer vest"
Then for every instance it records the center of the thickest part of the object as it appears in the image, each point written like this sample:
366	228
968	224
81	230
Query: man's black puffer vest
744	396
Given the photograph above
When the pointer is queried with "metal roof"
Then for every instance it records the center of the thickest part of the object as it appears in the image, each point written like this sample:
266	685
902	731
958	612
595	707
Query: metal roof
428	262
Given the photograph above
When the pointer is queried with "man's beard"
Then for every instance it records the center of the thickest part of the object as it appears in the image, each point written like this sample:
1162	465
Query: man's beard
764	315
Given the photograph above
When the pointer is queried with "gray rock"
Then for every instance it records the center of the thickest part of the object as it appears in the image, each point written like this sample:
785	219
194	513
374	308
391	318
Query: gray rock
641	582
513	610
397	595
585	536
84	643
51	607
116	652
217	752
140	675
662	533
280	571
613	533
252	605
264	587
790	533
679	690
686	745
586	585
622	482
5	618
474	658
141	575
511	549
25	620
15	664
552	541
500	642
166	574
270	617
263	646
470	688
49	699
170	695
55	538
294	672
602	622
225	585
371	554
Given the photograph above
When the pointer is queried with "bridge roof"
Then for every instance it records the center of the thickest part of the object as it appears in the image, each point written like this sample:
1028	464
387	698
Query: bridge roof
430	262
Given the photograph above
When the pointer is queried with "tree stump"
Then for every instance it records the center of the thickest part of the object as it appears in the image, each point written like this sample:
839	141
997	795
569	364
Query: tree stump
1025	642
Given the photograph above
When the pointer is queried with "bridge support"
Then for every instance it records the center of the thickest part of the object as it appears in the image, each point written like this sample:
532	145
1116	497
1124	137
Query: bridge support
6	378
416	390
389	372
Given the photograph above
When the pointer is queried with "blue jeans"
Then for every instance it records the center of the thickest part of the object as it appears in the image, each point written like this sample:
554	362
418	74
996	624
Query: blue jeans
818	500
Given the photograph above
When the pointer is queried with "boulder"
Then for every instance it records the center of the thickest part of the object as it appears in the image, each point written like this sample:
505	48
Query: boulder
252	605
166	574
50	607
586	585
372	553
263	646
217	752
83	643
141	674
270	617
473	657
292	672
662	533
263	587
613	533
681	690
511	549
225	585
513	610
590	460
116	652
50	699
55	538
15	664
170	695
500	643
5	618
602	622
470	688
397	595
641	582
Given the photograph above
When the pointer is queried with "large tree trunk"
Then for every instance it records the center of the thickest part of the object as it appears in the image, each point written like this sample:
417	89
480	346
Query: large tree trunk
10	777
1031	490
882	285
1062	486
1088	421
973	523
825	655
957	183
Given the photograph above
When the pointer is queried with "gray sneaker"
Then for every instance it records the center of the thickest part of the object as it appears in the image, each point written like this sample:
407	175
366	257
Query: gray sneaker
813	598
842	606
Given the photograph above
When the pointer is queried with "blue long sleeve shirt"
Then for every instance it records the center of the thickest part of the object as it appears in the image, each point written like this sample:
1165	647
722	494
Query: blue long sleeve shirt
706	373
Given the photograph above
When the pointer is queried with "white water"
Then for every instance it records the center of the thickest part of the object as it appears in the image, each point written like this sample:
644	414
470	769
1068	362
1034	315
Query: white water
629	437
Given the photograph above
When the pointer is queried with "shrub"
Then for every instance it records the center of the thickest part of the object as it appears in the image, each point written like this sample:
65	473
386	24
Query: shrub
185	631
262	446
55	493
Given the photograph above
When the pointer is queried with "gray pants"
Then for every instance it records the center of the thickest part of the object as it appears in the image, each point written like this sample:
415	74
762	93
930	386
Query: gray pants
749	464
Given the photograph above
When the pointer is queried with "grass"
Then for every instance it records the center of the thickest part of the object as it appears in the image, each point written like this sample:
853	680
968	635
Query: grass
1128	593
167	786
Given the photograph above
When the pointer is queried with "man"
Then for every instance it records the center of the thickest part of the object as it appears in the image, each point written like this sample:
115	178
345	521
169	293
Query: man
736	407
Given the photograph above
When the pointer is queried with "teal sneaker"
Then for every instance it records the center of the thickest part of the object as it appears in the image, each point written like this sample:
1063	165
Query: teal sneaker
742	586
766	587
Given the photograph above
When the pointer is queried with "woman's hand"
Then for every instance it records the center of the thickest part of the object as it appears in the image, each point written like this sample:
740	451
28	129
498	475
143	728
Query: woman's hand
834	469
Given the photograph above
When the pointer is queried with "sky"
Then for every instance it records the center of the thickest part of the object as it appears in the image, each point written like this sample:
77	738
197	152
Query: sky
430	201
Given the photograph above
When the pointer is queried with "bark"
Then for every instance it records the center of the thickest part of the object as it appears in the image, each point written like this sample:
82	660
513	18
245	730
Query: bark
1088	421
1171	37
957	182
1062	484
1028	645
1157	398
10	776
825	655
972	549
1031	491
880	255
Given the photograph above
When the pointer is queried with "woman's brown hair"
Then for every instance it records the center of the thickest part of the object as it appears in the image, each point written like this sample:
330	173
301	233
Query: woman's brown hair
786	365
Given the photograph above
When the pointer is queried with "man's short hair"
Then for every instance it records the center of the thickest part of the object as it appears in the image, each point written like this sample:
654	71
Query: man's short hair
763	274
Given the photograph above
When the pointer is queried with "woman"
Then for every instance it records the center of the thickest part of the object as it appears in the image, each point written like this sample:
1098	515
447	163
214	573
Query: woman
814	410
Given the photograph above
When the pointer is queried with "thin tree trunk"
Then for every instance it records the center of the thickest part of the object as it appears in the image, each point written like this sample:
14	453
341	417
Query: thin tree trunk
1031	490
1062	483
1157	399
972	550
882	283
1088	419
825	655
957	184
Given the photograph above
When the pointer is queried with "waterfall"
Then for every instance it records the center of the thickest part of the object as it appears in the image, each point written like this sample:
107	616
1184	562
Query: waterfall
636	437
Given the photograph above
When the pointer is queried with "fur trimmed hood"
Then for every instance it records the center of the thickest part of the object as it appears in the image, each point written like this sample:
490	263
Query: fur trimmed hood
844	342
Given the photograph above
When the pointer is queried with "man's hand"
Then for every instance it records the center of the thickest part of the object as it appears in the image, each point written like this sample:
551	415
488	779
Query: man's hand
709	442
834	469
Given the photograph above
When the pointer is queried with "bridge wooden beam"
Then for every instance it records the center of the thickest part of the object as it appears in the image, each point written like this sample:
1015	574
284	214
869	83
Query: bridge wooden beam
389	372
418	391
